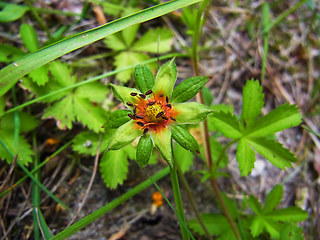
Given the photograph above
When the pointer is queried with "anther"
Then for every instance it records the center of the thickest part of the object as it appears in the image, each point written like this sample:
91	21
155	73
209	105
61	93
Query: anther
138	116
164	117
130	104
145	130
148	92
151	103
159	114
133	94
142	95
134	109
167	99
131	116
168	105
141	124
173	119
161	95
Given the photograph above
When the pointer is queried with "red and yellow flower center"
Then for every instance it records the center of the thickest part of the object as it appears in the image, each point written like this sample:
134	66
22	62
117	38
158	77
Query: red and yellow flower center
151	112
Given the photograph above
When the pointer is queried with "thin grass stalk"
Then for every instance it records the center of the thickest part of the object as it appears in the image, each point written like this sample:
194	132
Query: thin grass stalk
178	202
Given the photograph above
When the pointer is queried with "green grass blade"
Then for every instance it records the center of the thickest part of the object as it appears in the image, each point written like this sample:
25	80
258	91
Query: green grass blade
45	231
87	81
101	211
10	74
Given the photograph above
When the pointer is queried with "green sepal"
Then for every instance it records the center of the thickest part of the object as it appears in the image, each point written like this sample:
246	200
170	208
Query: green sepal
143	78
162	141
123	93
123	136
166	78
144	150
190	112
117	119
188	89
184	138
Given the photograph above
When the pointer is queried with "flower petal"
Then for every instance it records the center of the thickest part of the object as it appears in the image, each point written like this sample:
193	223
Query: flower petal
162	141
124	135
166	78
123	93
190	112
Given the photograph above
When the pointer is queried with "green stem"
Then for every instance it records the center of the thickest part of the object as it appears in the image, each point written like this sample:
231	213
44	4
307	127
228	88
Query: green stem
35	191
178	202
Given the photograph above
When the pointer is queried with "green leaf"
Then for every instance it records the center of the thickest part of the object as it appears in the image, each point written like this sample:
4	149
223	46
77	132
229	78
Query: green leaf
273	198
257	226
217	108
273	151
287	214
183	158
28	122
63	111
188	89
143	78
190	112
215	223
124	135
284	116
273	228
166	78
62	73
2	104
252	102
23	149
114	168
184	138
125	59
245	157
291	231
226	123
115	42
29	37
123	93
162	141
12	12
156	40
144	150
87	143
95	91
10	53
117	119
11	73
130	33
255	205
40	75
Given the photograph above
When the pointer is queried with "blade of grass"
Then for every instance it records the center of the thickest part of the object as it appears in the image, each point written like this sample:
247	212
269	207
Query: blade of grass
116	202
35	169
35	190
45	231
87	81
266	21
10	74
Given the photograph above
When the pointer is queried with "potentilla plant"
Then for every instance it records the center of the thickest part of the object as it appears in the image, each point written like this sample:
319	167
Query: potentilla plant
157	111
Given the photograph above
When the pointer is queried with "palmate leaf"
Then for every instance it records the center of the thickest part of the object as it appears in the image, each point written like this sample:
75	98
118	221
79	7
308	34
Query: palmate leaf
287	214
252	102
40	75
115	42
273	198
114	168
29	37
226	123
284	116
